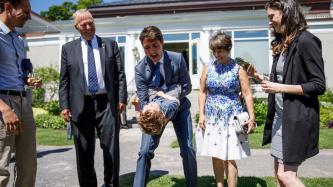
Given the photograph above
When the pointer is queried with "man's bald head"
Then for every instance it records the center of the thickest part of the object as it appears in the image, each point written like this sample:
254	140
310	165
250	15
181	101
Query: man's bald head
82	14
84	23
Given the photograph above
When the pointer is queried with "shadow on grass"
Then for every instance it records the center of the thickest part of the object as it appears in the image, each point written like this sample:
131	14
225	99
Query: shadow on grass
209	181
174	181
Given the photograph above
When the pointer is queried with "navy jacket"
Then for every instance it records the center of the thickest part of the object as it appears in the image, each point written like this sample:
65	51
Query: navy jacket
175	71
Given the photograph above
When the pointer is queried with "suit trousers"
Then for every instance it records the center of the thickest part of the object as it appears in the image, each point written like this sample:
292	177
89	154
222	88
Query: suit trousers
24	144
97	115
183	128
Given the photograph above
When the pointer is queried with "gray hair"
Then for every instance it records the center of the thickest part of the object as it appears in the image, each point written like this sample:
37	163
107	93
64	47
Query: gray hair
81	15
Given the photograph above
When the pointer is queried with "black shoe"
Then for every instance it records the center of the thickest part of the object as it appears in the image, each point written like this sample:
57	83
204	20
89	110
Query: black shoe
124	126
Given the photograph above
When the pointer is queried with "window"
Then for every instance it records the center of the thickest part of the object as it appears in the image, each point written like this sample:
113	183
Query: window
253	46
255	52
195	35
177	37
194	59
251	34
121	40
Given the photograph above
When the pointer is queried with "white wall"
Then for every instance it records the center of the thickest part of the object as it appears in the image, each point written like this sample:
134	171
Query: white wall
46	51
44	56
327	46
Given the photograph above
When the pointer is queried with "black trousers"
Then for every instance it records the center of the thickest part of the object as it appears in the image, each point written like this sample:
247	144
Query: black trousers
97	115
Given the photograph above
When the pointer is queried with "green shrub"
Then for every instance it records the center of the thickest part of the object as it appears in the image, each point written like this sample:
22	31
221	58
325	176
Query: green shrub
260	111
38	97
327	97
48	74
38	111
49	121
326	115
52	107
196	118
50	77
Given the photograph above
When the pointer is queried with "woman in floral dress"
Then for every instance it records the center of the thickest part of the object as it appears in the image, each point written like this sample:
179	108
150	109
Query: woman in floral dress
221	83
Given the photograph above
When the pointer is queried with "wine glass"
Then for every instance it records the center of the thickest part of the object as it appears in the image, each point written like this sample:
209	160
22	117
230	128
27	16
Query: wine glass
34	78
265	77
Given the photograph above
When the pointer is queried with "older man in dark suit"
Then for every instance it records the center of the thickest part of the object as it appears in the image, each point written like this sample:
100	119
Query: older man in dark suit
92	92
159	70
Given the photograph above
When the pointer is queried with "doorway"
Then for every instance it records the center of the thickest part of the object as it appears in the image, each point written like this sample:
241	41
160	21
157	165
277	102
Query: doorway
182	48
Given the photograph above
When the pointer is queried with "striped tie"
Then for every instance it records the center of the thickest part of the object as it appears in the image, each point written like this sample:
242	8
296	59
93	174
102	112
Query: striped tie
92	75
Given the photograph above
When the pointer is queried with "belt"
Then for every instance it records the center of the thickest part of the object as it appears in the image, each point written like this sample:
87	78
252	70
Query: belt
13	92
95	96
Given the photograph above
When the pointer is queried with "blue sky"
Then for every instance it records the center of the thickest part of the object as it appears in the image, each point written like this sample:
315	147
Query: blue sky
39	5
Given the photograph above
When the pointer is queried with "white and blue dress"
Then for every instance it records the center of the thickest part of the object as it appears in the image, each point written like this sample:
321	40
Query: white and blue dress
222	103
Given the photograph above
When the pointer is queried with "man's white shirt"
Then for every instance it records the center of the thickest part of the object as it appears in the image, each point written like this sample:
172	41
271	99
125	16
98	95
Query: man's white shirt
84	45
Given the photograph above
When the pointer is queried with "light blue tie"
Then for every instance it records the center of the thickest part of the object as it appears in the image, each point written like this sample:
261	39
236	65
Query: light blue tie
92	75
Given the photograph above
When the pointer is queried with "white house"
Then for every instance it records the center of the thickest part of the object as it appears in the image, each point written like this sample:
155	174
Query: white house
187	27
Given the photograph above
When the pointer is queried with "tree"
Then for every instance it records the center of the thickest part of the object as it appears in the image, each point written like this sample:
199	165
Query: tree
62	12
66	10
86	3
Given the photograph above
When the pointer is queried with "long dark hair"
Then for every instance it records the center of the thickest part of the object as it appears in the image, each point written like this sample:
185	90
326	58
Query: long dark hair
293	22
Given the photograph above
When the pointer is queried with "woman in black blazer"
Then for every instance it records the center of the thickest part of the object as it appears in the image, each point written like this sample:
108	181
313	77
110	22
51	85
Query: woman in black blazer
296	80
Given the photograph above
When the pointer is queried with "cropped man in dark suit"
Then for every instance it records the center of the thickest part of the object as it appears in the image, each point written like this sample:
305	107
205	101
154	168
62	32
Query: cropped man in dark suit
92	92
159	70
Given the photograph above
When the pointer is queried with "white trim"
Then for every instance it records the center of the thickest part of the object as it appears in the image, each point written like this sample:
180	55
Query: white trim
43	43
176	41
252	38
321	30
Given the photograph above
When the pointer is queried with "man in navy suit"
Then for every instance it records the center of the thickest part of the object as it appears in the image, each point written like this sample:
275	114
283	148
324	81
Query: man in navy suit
92	92
160	69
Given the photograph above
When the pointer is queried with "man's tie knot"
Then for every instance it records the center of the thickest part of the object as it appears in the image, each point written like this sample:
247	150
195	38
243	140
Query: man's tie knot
89	43
157	65
158	80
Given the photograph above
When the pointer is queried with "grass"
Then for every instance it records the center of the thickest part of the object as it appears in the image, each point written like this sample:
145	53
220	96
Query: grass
52	137
58	138
325	140
209	181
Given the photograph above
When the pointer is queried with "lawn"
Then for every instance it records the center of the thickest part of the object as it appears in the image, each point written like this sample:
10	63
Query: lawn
208	181
58	138
52	137
325	140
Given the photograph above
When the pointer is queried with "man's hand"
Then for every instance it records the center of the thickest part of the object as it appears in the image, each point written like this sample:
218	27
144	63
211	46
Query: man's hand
35	83
12	122
66	114
121	107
